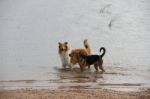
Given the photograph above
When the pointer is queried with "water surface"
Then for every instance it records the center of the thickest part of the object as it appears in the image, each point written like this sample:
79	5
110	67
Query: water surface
30	31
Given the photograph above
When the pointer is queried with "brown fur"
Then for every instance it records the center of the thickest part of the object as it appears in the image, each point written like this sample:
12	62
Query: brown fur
76	58
63	47
74	55
84	51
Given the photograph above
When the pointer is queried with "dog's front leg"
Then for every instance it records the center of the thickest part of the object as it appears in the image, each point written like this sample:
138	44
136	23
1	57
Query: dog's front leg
81	68
70	66
64	66
88	66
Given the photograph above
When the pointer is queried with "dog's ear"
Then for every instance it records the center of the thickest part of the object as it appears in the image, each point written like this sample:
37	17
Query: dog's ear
59	43
66	43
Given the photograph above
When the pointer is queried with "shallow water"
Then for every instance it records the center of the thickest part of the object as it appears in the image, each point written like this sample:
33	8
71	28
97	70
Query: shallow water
30	31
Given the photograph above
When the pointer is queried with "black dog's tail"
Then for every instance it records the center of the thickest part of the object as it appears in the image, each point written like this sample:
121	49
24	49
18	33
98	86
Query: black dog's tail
104	50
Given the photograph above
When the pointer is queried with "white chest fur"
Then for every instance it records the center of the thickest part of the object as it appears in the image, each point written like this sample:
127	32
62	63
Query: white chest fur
65	59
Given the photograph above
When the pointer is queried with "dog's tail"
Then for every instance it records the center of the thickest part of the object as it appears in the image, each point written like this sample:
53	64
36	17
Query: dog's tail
87	46
104	50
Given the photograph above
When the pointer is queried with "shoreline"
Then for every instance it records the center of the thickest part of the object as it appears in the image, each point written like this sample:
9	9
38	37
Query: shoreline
72	94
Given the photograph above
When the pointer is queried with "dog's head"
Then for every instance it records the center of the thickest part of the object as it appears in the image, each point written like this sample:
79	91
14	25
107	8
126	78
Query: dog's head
73	57
76	54
63	47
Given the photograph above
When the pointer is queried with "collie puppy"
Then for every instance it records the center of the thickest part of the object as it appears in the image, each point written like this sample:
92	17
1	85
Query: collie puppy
63	51
84	51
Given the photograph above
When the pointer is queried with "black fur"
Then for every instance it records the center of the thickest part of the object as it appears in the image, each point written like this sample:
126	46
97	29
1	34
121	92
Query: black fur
95	59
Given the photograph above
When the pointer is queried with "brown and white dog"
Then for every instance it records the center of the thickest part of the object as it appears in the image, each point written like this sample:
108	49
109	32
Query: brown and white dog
84	51
63	50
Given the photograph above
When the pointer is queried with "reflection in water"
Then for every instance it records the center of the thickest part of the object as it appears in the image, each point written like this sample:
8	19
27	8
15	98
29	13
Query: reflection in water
75	76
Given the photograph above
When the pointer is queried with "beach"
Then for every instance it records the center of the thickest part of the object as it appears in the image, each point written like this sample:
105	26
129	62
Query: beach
72	94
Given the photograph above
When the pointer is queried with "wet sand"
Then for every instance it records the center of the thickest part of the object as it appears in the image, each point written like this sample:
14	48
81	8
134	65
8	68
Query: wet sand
72	94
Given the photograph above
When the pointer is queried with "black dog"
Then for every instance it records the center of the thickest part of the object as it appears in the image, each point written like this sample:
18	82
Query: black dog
95	59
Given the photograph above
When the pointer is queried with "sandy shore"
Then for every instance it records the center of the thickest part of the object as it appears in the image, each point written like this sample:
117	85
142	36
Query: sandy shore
72	94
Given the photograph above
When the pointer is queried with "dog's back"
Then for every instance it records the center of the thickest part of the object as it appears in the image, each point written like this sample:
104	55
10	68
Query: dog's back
91	59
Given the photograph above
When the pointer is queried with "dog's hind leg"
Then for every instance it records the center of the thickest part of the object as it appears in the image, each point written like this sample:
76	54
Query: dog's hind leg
101	67
88	66
81	68
96	67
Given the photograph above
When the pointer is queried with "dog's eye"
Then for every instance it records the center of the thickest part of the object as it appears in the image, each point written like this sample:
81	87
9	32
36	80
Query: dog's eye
70	55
